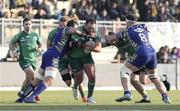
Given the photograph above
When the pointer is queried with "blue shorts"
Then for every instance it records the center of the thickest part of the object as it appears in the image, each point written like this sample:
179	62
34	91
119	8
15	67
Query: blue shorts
49	60
149	61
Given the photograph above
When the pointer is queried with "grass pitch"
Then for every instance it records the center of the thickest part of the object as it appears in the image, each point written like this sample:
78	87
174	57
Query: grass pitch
63	100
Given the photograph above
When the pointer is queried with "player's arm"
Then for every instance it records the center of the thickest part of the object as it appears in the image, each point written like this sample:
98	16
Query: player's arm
94	45
71	31
49	41
97	47
13	45
114	38
39	44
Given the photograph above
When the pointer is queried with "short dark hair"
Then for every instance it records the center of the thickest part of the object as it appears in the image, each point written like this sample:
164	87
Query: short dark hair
64	19
72	23
131	17
90	20
26	19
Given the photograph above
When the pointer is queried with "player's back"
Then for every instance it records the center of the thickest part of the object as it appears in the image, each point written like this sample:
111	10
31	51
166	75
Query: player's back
138	35
59	43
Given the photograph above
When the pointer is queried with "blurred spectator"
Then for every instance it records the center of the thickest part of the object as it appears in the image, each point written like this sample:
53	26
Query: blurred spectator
41	14
45	6
81	10
12	4
61	14
143	8
163	55
104	15
94	14
113	11
7	13
178	53
153	11
1	8
173	55
9	57
35	4
73	15
118	25
21	3
123	11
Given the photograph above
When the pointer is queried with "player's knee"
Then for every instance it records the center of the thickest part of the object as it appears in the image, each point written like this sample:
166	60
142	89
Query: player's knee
125	72
50	73
67	79
68	83
133	80
48	80
143	82
152	76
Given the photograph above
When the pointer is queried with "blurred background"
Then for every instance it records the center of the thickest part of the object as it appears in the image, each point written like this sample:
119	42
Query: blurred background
162	18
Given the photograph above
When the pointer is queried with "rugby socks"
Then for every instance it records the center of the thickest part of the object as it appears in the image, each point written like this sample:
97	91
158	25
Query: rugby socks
75	85
128	93
91	85
146	97
162	78
164	95
26	90
81	91
39	89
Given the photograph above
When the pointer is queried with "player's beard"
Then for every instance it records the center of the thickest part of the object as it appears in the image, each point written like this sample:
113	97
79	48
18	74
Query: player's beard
28	30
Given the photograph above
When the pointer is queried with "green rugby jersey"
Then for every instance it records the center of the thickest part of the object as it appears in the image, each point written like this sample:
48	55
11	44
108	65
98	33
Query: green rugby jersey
78	52
52	34
27	45
124	44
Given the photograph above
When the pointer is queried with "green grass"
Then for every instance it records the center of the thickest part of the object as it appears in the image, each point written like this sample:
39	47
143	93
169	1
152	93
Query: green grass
63	100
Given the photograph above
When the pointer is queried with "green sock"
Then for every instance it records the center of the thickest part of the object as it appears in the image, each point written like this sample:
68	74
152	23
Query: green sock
81	92
91	85
75	86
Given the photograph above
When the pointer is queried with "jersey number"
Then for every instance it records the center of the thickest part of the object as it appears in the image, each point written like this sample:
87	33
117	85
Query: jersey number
143	37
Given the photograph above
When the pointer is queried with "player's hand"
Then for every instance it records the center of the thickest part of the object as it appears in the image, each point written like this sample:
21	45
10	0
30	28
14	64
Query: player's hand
104	31
90	45
39	49
15	54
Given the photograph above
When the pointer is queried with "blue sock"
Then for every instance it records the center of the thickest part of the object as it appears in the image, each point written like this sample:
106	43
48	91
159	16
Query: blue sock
127	93
164	95
39	89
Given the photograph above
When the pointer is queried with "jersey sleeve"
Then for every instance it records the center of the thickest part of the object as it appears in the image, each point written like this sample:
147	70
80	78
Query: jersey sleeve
98	37
39	39
15	38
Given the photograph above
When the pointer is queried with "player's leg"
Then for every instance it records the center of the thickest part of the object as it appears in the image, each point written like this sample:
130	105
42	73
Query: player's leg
89	68
90	72
81	89
144	79
64	71
77	71
139	87
78	79
66	77
29	76
125	81
134	63
30	87
151	69
50	74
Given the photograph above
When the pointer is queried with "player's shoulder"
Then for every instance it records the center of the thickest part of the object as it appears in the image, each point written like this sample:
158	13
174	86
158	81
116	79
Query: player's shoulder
138	28
34	34
53	30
